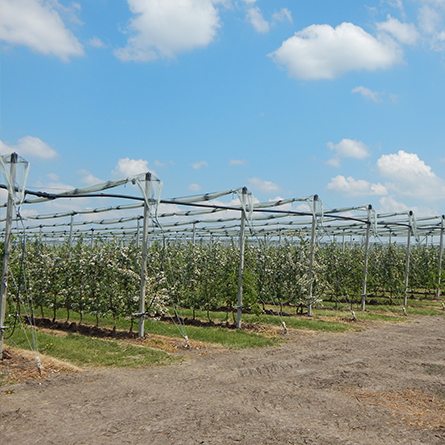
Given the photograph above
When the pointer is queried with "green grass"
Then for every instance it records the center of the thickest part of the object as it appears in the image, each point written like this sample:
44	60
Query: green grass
94	352
89	351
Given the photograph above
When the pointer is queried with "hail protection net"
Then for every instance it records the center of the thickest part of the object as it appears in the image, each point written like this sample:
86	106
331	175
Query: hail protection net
15	171
150	187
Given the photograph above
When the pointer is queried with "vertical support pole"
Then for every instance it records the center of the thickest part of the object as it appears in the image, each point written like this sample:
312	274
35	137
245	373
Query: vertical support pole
408	248
70	239
194	233
365	260
6	251
439	272
137	232
312	257
241	259
343	241
141	332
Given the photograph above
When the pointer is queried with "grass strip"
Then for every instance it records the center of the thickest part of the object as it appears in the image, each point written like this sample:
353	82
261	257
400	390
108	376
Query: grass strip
91	352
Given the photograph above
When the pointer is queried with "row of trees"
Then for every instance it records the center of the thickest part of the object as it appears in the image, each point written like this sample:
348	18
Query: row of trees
104	279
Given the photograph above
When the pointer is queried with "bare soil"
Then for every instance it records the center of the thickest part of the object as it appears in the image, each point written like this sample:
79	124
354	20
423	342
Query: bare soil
382	385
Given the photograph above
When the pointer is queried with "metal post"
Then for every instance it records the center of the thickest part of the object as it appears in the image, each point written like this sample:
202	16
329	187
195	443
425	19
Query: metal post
408	247
311	257
137	233
144	257
365	261
442	226
6	253
241	259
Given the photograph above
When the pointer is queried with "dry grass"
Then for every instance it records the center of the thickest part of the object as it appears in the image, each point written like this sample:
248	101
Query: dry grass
411	405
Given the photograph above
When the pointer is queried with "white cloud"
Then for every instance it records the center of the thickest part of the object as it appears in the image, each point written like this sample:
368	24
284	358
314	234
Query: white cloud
255	17
160	164
398	4
375	96
405	33
194	187
323	52
130	167
200	164
334	162
29	146
355	187
429	19
38	25
167	28
96	42
388	205
410	176
263	186
238	162
88	178
282	15
347	148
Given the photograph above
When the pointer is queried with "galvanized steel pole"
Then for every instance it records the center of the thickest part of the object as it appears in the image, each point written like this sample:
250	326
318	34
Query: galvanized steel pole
439	273
408	248
365	261
312	257
6	248
141	332
241	259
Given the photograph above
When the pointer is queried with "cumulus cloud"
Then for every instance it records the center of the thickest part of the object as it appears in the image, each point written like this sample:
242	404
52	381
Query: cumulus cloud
431	23
37	24
194	187
255	17
324	52
130	167
263	186
430	19
347	148
405	33
282	15
409	176
29	146
355	187
88	178
167	28
375	96
388	205
200	164
96	43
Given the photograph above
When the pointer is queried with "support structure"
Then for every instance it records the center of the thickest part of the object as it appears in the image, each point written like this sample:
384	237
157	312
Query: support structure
408	249
365	260
242	242
439	272
312	257
141	332
6	251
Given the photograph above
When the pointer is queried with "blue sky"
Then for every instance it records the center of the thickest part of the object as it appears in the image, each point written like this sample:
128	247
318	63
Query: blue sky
289	98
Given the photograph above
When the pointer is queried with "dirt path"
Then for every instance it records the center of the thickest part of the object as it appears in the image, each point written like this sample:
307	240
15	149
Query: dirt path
384	385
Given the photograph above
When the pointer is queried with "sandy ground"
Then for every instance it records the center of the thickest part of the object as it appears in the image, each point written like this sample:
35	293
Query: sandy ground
383	385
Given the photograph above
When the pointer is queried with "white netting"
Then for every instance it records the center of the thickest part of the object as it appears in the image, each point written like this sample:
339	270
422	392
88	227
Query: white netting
15	171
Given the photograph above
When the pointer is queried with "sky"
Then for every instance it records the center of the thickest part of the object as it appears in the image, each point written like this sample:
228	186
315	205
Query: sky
288	98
